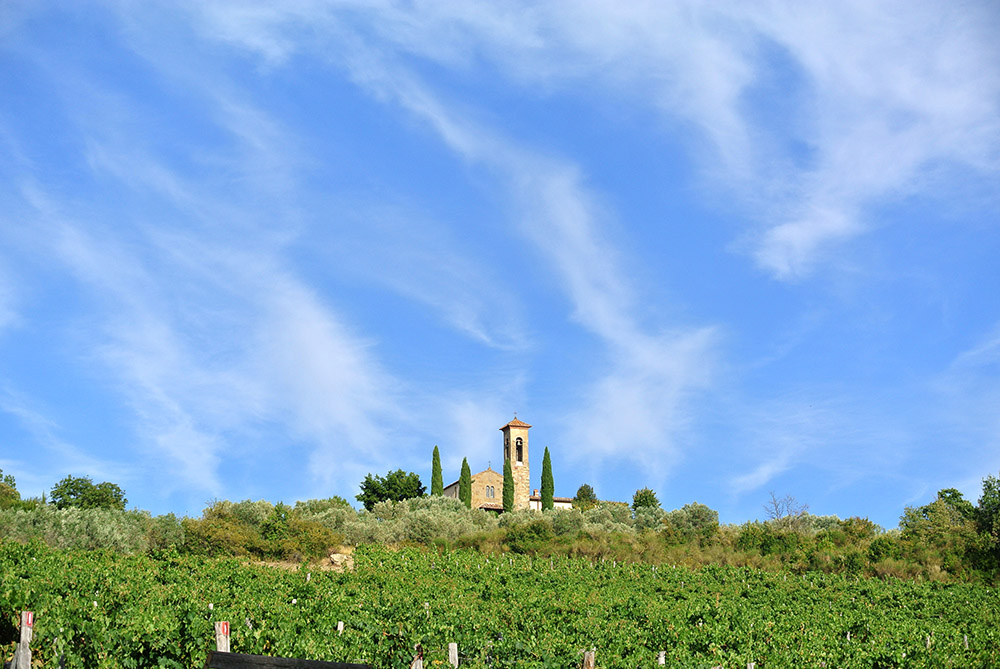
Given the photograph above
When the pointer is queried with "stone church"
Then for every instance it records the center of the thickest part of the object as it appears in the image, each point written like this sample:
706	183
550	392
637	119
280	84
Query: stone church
487	485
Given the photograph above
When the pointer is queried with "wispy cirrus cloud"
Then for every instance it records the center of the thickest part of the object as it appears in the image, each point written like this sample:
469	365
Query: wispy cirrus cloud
878	99
421	258
557	213
214	256
896	94
192	392
45	435
967	393
8	302
842	440
942	431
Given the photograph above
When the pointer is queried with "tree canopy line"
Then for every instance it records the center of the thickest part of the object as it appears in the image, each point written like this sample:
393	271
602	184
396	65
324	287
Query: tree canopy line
948	539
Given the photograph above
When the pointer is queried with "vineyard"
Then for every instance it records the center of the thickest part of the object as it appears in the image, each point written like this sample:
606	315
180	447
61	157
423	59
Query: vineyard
102	609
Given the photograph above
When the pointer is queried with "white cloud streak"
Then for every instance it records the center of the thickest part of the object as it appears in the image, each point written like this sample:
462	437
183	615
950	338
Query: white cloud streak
557	214
44	433
417	257
846	438
285	356
968	394
210	261
8	302
884	94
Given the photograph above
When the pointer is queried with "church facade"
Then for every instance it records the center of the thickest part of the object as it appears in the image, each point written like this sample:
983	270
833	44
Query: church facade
487	485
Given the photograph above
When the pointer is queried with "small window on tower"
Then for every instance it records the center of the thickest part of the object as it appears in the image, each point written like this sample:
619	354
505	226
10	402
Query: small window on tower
520	450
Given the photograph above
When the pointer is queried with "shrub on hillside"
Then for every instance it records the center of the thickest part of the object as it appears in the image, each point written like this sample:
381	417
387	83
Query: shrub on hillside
859	529
335	518
565	522
163	532
76	528
649	518
530	537
768	539
215	536
814	524
248	512
419	519
312	507
608	517
512	518
691	523
883	547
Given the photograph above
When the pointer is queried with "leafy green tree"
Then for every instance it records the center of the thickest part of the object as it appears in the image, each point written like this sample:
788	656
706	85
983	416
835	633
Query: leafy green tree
988	511
465	484
9	496
437	482
508	487
585	498
644	497
81	492
940	531
548	485
394	486
275	526
988	516
957	501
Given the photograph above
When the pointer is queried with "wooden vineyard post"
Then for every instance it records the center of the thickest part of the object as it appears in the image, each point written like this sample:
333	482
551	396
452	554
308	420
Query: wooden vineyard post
453	654
418	657
662	657
22	656
222	636
588	660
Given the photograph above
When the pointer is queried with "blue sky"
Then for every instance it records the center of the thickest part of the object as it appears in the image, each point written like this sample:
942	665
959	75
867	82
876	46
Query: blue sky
258	250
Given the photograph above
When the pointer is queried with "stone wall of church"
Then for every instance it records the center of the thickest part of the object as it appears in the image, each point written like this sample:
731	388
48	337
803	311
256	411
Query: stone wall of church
480	483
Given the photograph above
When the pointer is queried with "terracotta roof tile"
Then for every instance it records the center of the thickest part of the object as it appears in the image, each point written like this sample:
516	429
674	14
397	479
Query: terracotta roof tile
516	423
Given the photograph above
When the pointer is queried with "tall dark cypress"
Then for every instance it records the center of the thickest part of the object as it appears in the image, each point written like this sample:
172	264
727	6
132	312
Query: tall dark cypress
548	486
465	484
508	487
437	483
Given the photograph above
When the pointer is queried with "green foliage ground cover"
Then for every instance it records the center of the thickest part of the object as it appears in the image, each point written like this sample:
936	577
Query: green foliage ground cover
104	609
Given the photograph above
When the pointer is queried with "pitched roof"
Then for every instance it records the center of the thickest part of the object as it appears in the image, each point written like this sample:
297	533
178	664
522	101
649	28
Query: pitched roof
488	470
516	423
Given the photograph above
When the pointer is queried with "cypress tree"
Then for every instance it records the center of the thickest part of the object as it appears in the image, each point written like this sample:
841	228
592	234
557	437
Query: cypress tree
437	484
548	485
465	484
508	487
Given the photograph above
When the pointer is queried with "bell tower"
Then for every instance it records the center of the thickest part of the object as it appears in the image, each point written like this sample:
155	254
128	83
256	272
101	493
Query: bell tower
515	449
